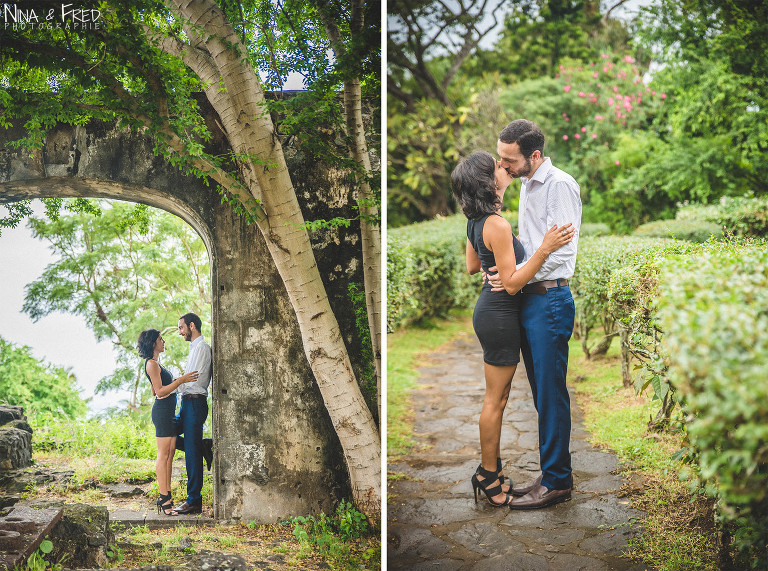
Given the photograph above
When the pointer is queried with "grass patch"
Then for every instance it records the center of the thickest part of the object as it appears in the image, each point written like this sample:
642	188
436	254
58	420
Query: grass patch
404	349
679	532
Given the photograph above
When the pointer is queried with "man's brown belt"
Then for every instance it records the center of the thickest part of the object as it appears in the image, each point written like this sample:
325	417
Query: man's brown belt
542	287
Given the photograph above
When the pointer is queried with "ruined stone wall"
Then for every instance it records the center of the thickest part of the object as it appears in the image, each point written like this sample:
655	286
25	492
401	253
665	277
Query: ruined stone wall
276	452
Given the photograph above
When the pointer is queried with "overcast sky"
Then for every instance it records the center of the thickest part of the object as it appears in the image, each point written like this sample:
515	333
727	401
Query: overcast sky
59	339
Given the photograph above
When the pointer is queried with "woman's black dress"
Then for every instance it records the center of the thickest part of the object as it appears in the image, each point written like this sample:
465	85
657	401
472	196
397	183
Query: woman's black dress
164	409
497	314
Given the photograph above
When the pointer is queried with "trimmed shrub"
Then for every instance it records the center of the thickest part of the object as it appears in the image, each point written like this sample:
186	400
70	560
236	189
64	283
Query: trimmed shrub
426	270
597	258
713	309
737	215
594	229
691	230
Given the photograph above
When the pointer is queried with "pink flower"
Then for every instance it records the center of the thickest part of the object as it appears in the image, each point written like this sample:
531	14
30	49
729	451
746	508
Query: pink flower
599	117
663	95
615	89
567	88
577	136
605	69
565	137
562	67
594	135
583	129
604	56
653	92
595	75
610	101
565	115
618	163
582	94
606	143
567	119
629	59
599	84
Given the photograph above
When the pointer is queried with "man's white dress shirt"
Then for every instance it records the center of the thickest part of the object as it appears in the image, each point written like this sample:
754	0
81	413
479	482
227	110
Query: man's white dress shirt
551	196
199	360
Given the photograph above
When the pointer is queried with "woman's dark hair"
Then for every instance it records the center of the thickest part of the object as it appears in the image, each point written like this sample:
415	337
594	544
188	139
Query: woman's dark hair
473	182
146	343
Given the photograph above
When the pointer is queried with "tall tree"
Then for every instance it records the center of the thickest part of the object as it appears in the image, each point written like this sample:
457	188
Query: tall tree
37	386
123	271
142	65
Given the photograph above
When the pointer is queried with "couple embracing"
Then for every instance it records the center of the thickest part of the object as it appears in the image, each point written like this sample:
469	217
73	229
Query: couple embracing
525	304
193	388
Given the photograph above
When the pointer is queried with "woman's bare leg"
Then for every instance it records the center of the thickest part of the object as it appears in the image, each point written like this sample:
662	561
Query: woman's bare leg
164	449
497	384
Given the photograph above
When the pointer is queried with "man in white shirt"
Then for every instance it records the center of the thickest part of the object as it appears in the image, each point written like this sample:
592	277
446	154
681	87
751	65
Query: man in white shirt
193	414
548	196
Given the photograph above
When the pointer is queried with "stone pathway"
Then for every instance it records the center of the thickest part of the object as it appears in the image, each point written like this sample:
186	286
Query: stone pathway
433	522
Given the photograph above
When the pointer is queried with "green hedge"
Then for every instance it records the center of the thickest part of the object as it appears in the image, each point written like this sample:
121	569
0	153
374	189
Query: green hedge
736	215
427	272
713	309
692	230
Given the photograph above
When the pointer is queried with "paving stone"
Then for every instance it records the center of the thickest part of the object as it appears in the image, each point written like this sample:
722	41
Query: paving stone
447	445
602	483
612	541
434	425
445	473
408	541
601	511
553	517
555	536
528	440
563	561
512	562
594	462
486	538
441	511
440	564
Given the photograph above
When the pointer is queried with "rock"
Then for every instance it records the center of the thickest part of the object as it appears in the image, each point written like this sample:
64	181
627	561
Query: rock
210	560
9	413
82	536
21	425
15	448
120	490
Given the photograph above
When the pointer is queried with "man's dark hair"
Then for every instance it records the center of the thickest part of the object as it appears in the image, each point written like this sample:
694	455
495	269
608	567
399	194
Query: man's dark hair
526	134
193	318
473	182
146	343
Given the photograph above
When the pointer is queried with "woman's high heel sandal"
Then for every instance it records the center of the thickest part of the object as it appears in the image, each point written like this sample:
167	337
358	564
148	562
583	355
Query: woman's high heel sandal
502	477
486	486
165	503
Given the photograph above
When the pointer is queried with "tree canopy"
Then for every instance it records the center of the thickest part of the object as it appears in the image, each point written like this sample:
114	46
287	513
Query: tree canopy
36	385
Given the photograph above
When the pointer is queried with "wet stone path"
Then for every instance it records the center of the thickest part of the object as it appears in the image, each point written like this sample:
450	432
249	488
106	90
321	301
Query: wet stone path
433	521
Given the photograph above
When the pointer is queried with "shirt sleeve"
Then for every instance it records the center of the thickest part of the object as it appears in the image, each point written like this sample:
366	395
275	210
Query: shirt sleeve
563	206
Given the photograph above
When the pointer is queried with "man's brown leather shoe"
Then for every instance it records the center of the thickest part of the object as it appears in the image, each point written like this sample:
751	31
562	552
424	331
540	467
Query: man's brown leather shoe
186	509
522	490
540	497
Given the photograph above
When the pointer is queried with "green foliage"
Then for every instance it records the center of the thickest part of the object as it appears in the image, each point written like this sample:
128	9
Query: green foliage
127	435
713	309
330	536
124	271
597	258
39	387
594	229
691	230
426	270
740	216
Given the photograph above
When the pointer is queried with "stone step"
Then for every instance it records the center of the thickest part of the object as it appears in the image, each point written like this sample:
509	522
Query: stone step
154	520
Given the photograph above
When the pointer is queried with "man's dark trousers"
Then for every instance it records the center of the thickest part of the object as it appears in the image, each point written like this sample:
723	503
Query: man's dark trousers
547	323
191	418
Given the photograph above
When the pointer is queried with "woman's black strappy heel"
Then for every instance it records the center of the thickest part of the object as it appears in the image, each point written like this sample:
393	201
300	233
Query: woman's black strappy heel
492	491
165	503
502	477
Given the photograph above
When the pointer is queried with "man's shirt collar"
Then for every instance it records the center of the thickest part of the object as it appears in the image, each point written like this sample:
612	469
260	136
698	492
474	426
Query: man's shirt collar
541	173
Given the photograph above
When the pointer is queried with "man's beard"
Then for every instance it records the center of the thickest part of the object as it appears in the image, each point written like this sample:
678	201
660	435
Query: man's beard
526	171
188	336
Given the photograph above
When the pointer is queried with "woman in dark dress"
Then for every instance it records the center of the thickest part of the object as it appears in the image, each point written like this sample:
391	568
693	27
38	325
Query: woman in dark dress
164	386
478	183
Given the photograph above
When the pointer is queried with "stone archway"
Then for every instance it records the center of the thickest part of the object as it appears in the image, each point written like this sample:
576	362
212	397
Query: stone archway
276	452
